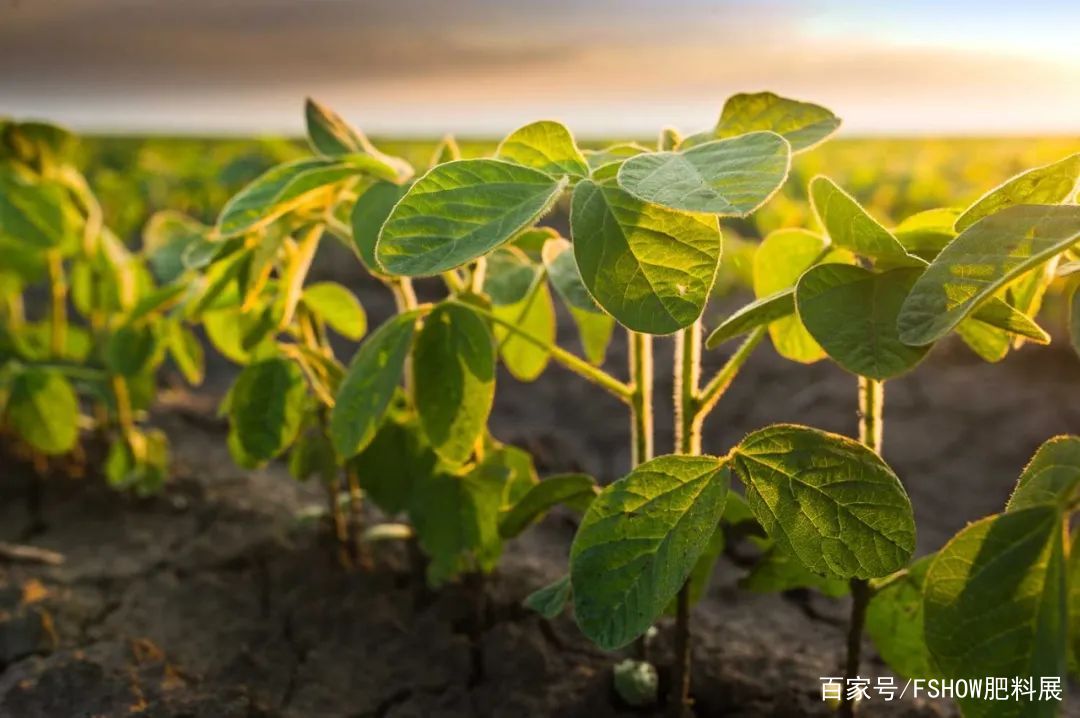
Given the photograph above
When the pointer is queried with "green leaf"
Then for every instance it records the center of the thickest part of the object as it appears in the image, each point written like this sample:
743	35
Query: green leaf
639	541
365	393
731	177
397	459
550	600
779	261
454	366
701	575
232	331
368	216
594	326
670	138
571	489
755	314
456	520
1000	314
265	409
313	455
35	213
509	277
1051	477
546	146
535	315
925	234
989	343
1074	318
132	348
894	622
851	312
462	210
850	226
166	237
446	151
279	191
827	499
650	267
778	570
802	124
994	604
328	133
1051	184
980	261
43	410
338	307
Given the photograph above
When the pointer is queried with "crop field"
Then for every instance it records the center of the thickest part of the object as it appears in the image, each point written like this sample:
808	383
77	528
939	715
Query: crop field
755	421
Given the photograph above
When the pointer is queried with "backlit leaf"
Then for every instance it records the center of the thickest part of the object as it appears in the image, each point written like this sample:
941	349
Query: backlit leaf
925	234
638	542
462	210
546	146
338	307
454	366
851	227
595	326
731	177
980	261
651	268
995	605
533	314
43	410
368	215
554	490
829	500
758	313
1051	184
1051	477
373	376
131	348
802	124
894	622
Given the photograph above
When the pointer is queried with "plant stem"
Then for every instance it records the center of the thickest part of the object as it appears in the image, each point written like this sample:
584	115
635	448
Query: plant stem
871	405
640	358
715	388
687	441
569	360
58	303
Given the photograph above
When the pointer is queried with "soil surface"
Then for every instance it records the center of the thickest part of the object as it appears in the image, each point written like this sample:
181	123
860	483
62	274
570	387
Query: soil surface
219	598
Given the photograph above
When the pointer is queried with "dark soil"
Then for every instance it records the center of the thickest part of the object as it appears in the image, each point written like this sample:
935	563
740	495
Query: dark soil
217	598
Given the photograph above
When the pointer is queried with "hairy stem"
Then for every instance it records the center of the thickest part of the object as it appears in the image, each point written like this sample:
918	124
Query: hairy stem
58	303
715	388
871	405
687	441
640	357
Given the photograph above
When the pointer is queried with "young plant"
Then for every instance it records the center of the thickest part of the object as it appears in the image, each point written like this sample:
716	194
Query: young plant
105	357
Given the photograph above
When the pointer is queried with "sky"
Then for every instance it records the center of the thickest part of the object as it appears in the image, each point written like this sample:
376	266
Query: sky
484	67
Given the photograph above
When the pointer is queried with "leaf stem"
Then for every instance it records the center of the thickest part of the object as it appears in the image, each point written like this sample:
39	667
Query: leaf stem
715	388
871	407
58	303
569	360
687	441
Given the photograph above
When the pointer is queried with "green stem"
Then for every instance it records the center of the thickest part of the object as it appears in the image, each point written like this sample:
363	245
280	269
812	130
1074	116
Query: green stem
569	360
58	303
715	388
687	441
641	406
871	406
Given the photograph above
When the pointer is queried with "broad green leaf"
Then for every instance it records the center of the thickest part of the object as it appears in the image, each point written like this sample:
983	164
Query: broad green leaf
462	210
266	407
778	570
456	520
827	499
509	277
615	154
1000	314
454	366
851	312
365	393
532	240
850	226
639	541
980	261
1026	294
570	489
550	600
1051	184
802	124
732	177
894	622
535	315
755	314
546	146
132	348
702	572
36	213
278	191
231	332
989	343
779	261
394	461
338	307
368	216
925	234
994	604
1051	477
43	410
594	325
166	237
649	267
